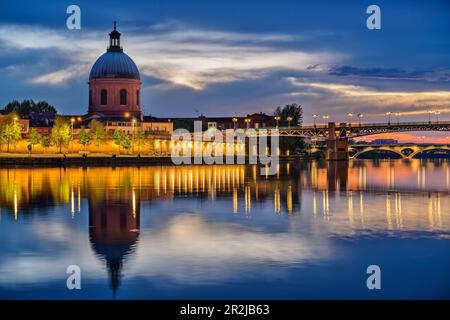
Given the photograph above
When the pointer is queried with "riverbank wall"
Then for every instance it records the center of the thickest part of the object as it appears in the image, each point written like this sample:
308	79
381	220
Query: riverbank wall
102	161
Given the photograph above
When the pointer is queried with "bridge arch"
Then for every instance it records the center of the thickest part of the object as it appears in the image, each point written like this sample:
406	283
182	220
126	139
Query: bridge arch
368	149
430	148
352	152
407	151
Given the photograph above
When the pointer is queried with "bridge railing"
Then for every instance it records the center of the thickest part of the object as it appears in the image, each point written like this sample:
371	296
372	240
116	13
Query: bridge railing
362	125
395	124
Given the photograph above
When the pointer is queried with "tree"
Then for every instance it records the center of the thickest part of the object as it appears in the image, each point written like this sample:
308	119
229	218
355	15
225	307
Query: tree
46	142
27	106
139	138
83	138
183	124
11	130
97	132
61	134
34	138
12	106
2	136
127	142
295	111
118	138
44	107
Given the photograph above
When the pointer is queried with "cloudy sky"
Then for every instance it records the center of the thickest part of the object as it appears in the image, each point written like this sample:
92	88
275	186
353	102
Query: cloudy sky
226	58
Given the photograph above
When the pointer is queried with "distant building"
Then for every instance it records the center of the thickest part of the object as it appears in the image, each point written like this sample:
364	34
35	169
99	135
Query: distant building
24	124
254	120
153	125
41	119
383	141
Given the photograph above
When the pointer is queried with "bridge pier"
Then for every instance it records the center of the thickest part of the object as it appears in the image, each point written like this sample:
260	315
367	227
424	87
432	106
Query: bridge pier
337	174
337	147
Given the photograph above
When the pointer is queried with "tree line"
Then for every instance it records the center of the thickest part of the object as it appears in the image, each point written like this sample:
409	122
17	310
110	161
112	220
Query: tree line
28	106
62	135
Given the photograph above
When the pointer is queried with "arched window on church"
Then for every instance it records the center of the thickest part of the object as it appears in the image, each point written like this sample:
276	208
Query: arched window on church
138	100
103	97
90	98
123	97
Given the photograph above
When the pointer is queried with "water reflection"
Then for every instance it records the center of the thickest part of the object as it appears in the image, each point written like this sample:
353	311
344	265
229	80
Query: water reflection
198	210
114	227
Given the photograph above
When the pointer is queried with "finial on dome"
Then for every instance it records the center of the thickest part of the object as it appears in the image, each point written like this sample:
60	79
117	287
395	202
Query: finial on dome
114	39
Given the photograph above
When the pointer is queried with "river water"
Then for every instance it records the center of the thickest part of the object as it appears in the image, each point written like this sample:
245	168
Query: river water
210	232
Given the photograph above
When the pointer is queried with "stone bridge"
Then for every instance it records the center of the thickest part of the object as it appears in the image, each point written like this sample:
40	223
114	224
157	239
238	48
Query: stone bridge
337	136
405	151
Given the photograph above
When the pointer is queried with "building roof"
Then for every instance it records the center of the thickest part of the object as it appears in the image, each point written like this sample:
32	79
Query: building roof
255	116
114	64
155	119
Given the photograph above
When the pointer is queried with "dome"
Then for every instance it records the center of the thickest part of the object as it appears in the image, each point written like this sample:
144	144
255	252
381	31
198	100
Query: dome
114	64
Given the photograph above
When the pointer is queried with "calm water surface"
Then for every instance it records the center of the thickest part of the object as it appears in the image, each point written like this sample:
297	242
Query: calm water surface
226	231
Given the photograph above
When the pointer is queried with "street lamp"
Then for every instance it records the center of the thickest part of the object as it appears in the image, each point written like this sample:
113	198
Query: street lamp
72	120
437	113
133	122
277	118
325	117
360	115
314	119
127	114
247	121
349	115
398	114
235	120
15	121
389	117
289	119
429	116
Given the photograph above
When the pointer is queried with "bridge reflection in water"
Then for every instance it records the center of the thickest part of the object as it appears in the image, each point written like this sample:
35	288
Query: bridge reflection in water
348	197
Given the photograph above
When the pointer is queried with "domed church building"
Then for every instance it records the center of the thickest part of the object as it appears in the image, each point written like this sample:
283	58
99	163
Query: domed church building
115	93
114	82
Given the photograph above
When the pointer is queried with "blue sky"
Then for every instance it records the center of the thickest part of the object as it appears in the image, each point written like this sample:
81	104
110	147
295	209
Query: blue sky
226	58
